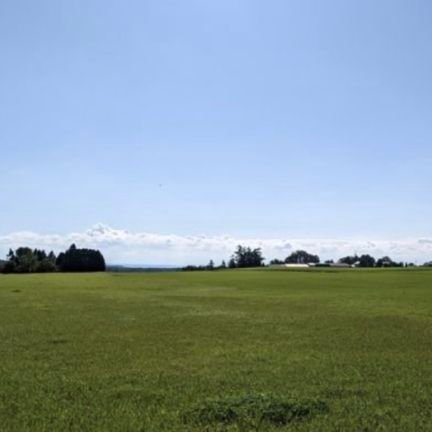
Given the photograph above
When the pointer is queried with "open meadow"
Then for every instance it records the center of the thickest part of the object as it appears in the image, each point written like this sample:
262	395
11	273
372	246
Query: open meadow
265	350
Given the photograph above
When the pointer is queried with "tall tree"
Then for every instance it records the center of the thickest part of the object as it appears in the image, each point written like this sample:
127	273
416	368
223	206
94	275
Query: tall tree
245	257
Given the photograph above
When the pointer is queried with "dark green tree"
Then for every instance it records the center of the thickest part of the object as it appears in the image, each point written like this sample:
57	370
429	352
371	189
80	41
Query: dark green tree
245	257
350	259
388	262
26	260
366	261
302	257
81	260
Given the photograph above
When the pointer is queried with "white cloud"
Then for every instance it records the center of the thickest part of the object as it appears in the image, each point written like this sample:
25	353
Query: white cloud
121	246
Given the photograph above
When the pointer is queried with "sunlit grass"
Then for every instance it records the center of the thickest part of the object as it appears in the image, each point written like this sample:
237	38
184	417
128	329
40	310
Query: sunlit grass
135	352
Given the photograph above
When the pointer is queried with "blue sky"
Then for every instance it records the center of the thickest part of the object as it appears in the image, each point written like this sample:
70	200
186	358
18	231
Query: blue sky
276	119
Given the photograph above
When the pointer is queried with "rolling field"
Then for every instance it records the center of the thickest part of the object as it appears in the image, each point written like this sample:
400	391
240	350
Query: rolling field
217	351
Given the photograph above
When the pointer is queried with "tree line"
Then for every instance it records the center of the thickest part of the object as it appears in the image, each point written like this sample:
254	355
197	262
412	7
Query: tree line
366	260
27	260
243	257
246	257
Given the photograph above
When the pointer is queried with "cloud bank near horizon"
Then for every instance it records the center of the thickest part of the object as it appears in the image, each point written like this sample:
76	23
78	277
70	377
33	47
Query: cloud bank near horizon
125	247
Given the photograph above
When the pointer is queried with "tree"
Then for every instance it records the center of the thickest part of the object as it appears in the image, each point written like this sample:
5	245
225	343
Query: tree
245	257
194	268
9	267
81	260
387	262
40	254
26	260
302	257
223	265
46	266
210	265
52	257
350	260
366	261
276	262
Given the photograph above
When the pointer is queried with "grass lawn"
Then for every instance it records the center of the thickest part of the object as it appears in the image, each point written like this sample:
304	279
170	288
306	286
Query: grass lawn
153	351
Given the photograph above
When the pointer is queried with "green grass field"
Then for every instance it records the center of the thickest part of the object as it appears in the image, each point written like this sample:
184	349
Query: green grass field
147	352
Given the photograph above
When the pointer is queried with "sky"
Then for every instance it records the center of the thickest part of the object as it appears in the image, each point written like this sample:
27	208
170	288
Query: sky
206	123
